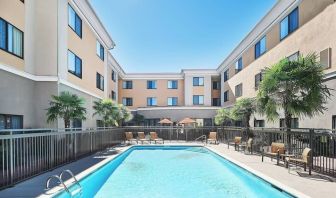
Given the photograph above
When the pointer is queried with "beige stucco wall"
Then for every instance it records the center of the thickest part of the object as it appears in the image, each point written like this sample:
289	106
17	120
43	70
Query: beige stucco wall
14	13
85	48
314	36
111	85
139	93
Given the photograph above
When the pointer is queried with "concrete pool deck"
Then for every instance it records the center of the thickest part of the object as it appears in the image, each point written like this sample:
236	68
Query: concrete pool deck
313	186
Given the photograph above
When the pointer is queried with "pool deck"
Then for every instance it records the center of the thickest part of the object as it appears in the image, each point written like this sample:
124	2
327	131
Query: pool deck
296	180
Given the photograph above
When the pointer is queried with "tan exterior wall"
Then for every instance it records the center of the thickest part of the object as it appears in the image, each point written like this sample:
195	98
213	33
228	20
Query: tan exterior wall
315	36
111	85
198	90
308	9
215	93
248	57
139	93
272	37
14	13
91	63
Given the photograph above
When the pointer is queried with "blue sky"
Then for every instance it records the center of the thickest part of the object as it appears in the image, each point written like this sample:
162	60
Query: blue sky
170	35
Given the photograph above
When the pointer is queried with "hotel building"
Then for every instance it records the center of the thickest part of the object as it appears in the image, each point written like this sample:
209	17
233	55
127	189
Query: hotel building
66	48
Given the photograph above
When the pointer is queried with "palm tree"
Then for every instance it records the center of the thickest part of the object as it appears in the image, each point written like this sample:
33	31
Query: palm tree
66	106
243	110
295	87
107	110
124	115
138	118
223	116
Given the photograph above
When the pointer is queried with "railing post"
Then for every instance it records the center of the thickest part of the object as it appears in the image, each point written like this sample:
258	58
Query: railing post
91	142
312	147
11	159
75	145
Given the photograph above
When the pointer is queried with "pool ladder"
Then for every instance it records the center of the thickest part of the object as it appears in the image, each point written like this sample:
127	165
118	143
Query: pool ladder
203	137
77	191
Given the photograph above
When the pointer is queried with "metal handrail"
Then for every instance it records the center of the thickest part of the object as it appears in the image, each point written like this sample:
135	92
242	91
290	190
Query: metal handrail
59	180
202	136
72	176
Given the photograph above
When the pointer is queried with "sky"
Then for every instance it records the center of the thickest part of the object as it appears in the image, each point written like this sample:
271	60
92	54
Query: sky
170	35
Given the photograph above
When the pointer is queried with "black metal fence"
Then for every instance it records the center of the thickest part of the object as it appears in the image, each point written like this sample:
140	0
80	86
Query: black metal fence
173	133
25	153
322	142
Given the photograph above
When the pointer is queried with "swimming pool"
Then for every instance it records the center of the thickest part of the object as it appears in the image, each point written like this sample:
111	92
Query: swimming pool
173	171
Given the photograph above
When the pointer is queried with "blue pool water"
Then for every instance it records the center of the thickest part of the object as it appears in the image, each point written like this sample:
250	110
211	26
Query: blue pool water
173	171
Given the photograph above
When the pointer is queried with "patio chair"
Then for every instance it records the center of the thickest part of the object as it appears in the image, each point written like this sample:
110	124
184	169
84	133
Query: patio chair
129	137
142	138
247	145
154	137
212	137
236	142
303	159
276	150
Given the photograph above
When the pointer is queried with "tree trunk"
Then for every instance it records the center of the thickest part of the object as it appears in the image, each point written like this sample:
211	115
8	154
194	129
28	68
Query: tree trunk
66	123
247	124
288	124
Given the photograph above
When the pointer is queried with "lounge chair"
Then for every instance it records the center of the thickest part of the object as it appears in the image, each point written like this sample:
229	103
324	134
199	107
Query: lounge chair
212	137
236	142
303	159
129	137
276	150
142	137
154	137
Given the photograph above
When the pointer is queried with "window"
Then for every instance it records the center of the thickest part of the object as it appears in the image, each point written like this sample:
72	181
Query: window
226	96
11	39
325	58
198	99
215	85
239	65
77	123
226	75
113	76
260	47
99	123
100	50
289	24
74	64
151	101
239	90
74	21
151	84
216	102
334	122
11	121
198	81
172	84
259	123
127	84
127	101
257	80
100	81
113	95
294	57
294	123
172	101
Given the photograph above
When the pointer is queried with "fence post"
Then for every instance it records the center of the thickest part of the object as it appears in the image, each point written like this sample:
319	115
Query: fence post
11	159
312	147
75	145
